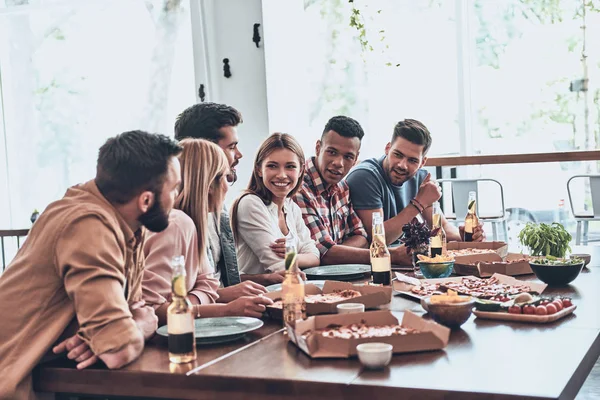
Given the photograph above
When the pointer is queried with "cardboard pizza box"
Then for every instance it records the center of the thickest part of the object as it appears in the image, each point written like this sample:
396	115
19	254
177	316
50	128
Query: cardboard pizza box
432	336
500	252
403	284
484	269
371	297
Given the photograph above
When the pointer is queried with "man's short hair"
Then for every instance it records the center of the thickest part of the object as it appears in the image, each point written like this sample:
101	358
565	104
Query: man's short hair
413	131
344	126
203	121
133	162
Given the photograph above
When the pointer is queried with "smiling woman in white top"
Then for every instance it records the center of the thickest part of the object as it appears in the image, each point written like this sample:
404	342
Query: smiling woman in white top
264	215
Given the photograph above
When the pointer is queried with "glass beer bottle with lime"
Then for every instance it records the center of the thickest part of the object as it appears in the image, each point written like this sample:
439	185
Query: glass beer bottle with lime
180	319
294	304
471	220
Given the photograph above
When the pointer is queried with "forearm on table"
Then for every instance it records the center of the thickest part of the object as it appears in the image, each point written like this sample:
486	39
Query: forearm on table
263	279
342	254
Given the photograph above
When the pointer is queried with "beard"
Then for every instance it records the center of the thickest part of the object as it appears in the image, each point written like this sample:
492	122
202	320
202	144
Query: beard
156	219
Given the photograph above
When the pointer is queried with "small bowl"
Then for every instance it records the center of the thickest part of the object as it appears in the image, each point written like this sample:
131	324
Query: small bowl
349	308
452	315
556	275
585	257
374	355
436	270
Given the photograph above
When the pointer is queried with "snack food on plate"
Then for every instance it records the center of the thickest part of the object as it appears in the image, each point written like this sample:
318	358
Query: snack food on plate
361	331
471	286
450	297
437	259
333	297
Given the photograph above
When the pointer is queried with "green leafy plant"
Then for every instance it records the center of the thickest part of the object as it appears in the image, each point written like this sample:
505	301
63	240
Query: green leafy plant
546	240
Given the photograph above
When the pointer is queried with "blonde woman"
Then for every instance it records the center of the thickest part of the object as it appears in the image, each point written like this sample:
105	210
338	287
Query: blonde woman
204	170
265	215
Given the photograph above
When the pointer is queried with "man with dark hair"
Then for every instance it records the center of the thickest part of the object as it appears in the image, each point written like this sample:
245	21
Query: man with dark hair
324	197
396	186
215	122
80	269
218	123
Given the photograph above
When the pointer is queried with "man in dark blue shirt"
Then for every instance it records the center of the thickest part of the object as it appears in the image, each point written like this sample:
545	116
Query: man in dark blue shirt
396	186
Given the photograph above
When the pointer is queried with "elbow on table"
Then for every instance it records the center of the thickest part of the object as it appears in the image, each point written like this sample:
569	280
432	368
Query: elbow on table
126	355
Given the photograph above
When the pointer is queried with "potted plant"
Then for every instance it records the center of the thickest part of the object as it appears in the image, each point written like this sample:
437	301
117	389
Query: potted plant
415	237
549	245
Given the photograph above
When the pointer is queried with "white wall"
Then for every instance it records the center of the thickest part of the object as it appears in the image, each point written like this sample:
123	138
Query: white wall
227	26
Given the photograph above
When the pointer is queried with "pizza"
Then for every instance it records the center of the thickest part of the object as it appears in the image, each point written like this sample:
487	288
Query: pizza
471	286
469	252
333	297
361	331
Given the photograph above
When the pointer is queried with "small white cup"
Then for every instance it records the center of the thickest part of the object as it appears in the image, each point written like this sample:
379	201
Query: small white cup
375	355
349	308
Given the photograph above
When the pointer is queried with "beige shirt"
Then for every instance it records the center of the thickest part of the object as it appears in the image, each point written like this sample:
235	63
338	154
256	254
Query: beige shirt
180	238
258	227
74	263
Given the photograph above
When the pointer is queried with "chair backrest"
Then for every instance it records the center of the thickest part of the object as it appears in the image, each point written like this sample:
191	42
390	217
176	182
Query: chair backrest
11	235
460	188
594	181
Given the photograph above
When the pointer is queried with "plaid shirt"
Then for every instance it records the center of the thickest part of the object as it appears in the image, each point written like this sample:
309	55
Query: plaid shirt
328	213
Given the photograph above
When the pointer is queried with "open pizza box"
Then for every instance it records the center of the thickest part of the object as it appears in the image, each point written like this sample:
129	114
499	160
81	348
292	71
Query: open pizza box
371	297
432	336
512	265
404	283
500	251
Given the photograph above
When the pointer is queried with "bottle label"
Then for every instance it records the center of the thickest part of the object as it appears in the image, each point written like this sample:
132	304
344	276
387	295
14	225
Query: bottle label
180	323
181	343
382	264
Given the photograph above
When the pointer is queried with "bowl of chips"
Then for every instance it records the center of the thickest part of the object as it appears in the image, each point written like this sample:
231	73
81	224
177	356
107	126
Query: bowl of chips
436	267
449	309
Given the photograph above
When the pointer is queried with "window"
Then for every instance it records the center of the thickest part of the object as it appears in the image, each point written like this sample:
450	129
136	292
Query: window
74	73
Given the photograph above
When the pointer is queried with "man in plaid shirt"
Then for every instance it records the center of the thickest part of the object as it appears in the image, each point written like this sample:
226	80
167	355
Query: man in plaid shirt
324	197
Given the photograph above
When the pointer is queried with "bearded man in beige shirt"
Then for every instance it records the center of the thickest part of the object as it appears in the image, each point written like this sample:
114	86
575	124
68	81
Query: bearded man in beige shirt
82	265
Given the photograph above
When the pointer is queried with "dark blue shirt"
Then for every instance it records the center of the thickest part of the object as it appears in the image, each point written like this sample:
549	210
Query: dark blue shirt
370	188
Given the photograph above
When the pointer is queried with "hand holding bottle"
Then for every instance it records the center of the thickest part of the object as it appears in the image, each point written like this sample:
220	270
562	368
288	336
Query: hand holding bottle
248	306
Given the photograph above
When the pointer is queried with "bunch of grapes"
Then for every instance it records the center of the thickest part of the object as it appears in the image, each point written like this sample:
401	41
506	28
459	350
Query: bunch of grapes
416	234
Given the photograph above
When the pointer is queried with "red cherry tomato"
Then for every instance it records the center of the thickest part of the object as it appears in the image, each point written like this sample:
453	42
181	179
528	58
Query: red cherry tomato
567	303
514	310
558	300
551	308
541	310
558	304
528	309
544	302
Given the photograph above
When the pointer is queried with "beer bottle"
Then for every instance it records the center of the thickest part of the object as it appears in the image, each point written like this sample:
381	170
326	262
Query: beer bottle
381	264
180	318
438	242
294	304
471	220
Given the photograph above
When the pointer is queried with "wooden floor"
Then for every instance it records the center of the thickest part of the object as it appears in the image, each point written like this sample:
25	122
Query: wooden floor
591	387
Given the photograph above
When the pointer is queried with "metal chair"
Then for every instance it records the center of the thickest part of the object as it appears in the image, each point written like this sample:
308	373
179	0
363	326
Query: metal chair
460	188
583	217
8	234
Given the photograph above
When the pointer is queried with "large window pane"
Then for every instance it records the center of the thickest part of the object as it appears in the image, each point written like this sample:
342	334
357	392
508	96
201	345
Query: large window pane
421	36
78	72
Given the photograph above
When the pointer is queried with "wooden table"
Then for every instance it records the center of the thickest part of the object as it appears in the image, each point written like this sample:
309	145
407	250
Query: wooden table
484	359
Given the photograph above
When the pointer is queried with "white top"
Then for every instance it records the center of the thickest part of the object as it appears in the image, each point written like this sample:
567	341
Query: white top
258	227
214	243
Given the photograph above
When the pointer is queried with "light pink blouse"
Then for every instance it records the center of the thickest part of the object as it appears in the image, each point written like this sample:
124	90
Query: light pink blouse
180	238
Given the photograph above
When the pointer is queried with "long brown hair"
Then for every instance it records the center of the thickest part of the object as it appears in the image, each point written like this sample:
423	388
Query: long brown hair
256	186
203	166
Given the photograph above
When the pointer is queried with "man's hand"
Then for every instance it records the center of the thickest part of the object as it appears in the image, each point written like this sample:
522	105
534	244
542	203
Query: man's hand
78	350
246	288
145	318
399	256
429	192
278	277
478	233
278	247
248	306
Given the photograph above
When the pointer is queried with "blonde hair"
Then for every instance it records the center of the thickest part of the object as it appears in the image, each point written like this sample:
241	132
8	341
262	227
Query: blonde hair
203	166
256	186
